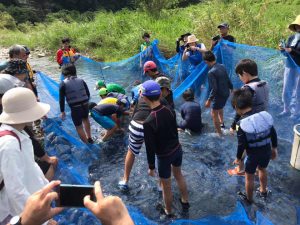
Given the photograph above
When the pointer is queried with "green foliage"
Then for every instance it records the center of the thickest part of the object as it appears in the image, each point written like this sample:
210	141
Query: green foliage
7	21
155	7
114	36
24	14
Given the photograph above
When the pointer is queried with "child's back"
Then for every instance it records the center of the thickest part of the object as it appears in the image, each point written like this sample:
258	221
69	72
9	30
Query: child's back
191	115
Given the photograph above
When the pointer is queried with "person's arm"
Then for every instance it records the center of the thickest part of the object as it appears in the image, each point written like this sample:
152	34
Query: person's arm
109	210
242	143
185	54
274	143
177	45
149	136
62	96
213	86
38	208
87	89
12	172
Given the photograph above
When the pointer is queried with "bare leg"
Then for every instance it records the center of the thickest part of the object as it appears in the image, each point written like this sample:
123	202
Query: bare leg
81	133
109	133
214	114
220	115
87	127
129	160
167	194
181	183
263	179
249	186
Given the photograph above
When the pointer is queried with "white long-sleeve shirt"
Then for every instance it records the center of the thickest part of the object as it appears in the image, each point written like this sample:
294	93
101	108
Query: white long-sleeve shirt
21	175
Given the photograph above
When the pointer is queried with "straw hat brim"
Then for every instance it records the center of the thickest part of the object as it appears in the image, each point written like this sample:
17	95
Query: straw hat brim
30	115
192	41
296	22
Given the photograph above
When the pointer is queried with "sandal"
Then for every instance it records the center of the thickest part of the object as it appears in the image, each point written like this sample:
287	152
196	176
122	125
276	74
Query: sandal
243	197
263	195
185	205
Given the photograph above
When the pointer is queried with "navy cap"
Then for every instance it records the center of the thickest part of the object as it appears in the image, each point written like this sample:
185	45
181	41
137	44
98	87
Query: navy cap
150	88
226	25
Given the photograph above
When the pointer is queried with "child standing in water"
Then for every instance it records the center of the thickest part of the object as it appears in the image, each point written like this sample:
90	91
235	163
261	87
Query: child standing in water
257	135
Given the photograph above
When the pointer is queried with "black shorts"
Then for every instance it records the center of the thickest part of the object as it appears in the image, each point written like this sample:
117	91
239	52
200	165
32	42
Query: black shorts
79	112
164	163
218	103
257	160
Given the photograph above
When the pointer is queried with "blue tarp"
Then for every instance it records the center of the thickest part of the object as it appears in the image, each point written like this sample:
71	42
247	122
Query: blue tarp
83	164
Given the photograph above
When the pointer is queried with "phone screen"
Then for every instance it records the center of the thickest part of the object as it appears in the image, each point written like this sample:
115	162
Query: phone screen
72	195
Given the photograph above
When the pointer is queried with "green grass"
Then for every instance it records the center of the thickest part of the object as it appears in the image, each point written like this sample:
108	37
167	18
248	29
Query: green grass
115	36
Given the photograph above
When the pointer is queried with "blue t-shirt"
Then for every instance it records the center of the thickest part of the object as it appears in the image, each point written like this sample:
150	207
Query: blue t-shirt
195	57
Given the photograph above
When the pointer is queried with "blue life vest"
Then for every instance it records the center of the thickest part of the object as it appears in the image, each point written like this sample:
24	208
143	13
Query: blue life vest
260	99
257	128
75	90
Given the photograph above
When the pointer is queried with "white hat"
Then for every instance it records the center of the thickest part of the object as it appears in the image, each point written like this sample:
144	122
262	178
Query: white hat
8	82
191	39
20	106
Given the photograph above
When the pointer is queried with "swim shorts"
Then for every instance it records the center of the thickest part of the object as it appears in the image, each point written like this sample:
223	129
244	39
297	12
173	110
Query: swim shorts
79	112
164	163
136	137
253	161
218	103
105	121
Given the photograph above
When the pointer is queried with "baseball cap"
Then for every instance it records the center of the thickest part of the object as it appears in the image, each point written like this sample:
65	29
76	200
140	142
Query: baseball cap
102	91
150	88
99	84
149	65
226	25
163	82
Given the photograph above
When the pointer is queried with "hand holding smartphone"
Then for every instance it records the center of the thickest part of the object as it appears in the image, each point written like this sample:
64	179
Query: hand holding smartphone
73	195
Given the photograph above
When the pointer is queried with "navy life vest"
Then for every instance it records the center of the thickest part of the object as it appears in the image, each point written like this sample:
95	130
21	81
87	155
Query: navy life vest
75	90
257	128
260	99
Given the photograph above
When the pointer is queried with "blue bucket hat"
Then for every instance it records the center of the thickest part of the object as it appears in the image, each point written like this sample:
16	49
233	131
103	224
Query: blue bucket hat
150	88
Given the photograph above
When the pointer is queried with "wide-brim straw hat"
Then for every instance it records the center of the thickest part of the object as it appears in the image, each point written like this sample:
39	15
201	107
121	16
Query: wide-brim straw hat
20	106
191	39
296	22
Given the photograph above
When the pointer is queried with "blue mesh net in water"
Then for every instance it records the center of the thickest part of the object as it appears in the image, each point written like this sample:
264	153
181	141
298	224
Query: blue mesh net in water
206	158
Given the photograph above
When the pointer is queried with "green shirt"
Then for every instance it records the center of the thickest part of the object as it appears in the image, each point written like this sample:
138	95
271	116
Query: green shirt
115	88
145	45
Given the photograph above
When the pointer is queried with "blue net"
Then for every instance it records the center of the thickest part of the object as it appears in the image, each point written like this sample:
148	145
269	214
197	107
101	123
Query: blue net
212	192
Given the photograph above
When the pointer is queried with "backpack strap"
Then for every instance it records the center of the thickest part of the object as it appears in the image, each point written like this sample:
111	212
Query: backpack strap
11	133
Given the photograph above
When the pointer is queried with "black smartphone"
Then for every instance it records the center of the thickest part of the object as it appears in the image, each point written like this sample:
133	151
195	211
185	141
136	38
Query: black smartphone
72	195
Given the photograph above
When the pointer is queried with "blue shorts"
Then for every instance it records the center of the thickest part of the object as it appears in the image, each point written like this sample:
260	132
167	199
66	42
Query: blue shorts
218	103
164	163
105	121
257	160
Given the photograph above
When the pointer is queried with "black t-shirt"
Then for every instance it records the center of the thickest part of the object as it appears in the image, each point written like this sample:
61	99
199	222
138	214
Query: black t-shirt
108	109
227	38
160	133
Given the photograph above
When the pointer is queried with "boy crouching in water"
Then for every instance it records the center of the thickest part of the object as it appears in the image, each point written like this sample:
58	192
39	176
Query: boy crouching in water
257	135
